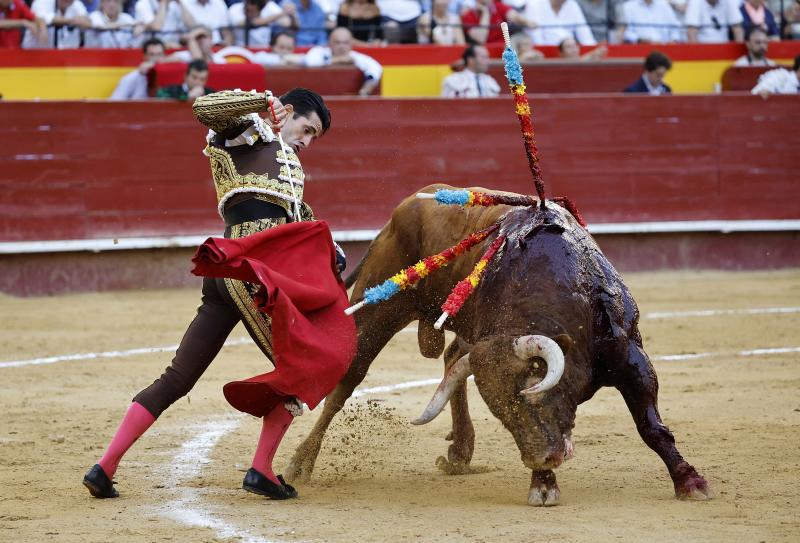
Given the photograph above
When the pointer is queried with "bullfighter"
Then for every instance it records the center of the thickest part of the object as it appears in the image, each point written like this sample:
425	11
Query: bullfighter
259	184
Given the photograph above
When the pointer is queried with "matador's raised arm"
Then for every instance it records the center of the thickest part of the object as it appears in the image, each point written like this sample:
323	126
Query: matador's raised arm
225	112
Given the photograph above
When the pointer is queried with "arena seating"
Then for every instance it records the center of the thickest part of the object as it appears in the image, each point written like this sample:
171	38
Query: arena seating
220	76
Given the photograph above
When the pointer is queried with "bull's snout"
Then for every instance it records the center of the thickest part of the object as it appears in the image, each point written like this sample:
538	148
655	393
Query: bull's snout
553	457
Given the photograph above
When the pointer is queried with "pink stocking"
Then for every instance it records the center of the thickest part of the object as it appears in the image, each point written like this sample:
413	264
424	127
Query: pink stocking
136	422
273	428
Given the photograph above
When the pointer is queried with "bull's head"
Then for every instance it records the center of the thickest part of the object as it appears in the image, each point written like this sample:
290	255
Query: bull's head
518	378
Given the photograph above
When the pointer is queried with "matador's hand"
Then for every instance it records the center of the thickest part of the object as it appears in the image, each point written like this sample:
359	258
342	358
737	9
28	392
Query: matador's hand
276	113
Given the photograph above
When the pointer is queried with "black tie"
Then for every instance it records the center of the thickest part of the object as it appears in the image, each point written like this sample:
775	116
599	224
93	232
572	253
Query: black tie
478	83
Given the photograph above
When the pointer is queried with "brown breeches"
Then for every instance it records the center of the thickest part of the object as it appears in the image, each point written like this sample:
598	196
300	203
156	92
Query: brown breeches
216	317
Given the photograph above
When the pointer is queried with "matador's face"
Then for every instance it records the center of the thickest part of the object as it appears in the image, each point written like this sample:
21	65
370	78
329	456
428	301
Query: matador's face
300	131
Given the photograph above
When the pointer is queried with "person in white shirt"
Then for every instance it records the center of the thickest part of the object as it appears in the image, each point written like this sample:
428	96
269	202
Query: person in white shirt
212	14
757	43
261	14
440	26
113	28
399	18
650	21
169	18
779	81
708	21
340	52
556	20
281	52
133	86
472	81
71	14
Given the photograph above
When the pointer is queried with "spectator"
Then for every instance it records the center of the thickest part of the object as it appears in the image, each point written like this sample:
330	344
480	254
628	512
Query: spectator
440	25
281	53
340	52
757	44
656	66
523	47
363	19
15	16
259	15
779	81
650	21
601	15
569	49
198	47
308	20
66	18
399	18
212	14
133	86
193	86
482	23
169	18
558	19
756	14
112	28
709	21
472	81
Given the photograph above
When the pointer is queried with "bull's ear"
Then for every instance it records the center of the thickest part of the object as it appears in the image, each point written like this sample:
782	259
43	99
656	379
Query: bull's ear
565	342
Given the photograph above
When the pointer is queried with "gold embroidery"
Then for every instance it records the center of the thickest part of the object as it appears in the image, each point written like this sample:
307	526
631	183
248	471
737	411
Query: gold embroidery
228	179
224	111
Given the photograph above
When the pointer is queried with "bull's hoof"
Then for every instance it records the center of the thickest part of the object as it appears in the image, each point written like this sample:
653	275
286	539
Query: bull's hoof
298	471
690	485
452	468
543	496
544	489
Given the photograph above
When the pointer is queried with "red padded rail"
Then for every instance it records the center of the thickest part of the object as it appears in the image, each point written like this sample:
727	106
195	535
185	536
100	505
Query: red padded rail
83	170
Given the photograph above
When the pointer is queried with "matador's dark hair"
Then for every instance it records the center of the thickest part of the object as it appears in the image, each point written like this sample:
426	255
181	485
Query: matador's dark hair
305	101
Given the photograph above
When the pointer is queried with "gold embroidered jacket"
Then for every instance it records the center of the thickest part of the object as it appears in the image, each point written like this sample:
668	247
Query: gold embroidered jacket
246	156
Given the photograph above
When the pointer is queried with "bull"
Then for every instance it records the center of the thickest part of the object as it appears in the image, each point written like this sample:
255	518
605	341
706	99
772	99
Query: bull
550	323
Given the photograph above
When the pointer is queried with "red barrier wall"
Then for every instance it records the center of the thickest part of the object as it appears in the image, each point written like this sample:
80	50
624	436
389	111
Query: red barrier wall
99	170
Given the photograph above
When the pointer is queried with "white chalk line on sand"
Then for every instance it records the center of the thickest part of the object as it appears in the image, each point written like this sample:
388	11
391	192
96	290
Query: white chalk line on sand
195	453
244	340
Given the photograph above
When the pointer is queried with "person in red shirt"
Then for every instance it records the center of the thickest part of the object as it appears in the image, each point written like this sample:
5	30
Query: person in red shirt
14	16
482	24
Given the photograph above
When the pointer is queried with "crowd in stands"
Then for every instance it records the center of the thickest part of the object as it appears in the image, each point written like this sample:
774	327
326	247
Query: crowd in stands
128	23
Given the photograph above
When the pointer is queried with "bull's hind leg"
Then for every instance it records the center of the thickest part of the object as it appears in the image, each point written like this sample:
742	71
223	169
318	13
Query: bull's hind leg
459	453
376	327
636	380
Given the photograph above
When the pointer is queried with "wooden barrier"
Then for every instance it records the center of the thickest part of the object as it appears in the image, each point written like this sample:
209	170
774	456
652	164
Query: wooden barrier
101	170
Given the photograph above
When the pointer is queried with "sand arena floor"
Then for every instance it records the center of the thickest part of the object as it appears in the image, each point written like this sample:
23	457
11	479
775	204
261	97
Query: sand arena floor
735	414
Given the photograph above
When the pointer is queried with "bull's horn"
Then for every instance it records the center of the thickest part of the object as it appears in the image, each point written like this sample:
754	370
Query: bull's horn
526	347
452	379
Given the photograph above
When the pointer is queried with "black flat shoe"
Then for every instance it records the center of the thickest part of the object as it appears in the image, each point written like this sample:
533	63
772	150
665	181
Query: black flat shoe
258	483
98	483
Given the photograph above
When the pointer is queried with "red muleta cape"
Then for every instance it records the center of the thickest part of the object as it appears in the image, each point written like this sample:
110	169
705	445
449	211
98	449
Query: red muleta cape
313	340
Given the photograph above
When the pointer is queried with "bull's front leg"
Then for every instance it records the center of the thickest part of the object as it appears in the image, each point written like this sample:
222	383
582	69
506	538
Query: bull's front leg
376	327
544	489
637	381
459	453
